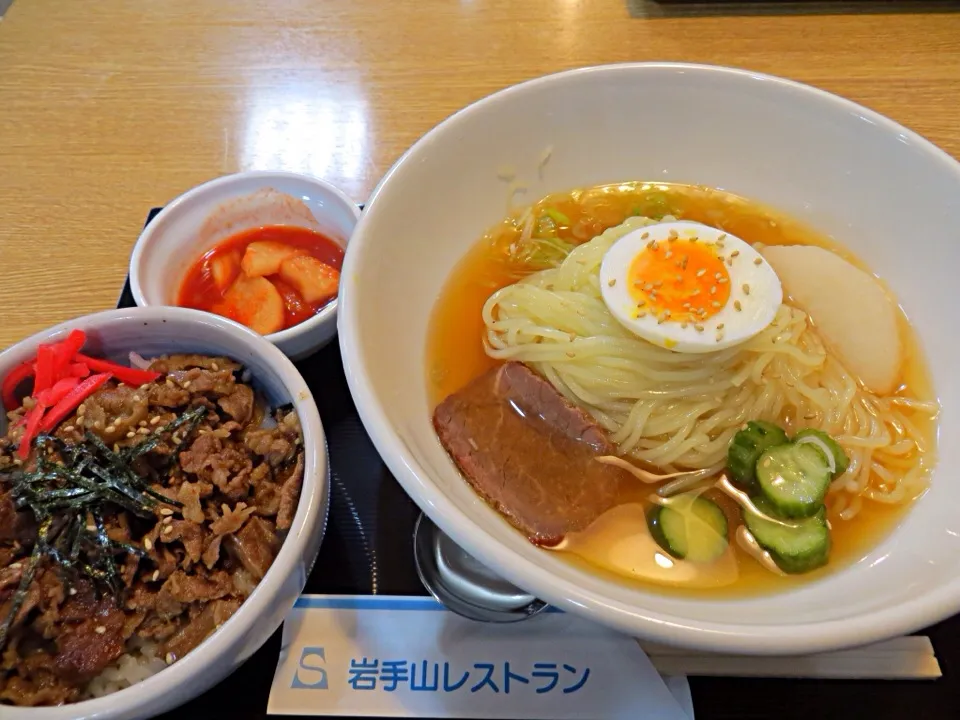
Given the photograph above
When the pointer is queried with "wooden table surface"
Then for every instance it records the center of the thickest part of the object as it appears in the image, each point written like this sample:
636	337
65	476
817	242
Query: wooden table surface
109	108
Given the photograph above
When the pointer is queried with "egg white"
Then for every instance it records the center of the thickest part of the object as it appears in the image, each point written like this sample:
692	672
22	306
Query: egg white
755	285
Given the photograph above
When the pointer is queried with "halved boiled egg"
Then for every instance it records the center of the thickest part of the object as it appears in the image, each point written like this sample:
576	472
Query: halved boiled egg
689	287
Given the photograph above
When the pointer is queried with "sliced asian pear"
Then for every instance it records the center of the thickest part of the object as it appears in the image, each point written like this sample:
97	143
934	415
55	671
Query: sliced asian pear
224	268
254	302
850	309
314	280
264	257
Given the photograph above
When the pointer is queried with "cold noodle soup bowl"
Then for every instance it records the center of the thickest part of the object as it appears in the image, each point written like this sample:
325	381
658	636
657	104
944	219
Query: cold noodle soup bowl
884	194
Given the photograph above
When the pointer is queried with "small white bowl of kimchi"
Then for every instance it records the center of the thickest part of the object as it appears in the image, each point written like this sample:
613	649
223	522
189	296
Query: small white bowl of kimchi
262	248
163	496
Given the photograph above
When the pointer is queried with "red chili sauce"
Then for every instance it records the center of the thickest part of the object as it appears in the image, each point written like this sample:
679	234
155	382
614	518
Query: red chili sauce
267	278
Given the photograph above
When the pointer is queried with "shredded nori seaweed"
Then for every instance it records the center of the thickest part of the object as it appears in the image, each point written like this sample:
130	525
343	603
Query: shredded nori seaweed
72	488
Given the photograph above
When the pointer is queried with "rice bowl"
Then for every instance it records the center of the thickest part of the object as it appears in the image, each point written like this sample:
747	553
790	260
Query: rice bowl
113	335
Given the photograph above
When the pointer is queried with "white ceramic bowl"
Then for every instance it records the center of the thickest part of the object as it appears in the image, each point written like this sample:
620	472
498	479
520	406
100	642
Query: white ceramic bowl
151	332
878	188
203	216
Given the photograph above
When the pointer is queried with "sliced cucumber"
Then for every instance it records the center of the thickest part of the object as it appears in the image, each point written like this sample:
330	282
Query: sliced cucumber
748	445
796	546
826	444
690	527
794	478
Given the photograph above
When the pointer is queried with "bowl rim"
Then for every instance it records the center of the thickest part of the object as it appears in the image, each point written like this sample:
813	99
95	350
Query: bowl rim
661	627
151	231
310	518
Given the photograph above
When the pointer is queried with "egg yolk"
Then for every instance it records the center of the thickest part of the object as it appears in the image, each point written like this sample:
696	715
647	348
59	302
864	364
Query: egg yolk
679	280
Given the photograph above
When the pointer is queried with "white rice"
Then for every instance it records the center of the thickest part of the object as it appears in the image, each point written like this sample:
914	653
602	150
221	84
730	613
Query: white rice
139	663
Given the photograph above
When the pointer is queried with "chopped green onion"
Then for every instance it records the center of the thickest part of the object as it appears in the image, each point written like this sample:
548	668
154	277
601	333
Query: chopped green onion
540	253
557	216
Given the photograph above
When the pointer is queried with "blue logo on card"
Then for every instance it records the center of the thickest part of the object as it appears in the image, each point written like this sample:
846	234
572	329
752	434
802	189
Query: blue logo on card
311	674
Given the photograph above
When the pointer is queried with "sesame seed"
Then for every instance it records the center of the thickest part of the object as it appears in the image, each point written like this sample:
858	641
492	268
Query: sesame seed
91	528
696	291
100	629
81	410
144	431
683	263
169	382
156	574
641	303
79	422
110	429
167	529
713	290
766	462
720	326
734	253
648	286
758	261
737	306
673	234
719	336
167	520
186	385
147	544
170	658
684	324
722	237
166	511
69	428
660	320
715	304
723	280
718	275
698	328
116	447
679	278
656	245
131	434
97	424
642	313
142	423
611	282
686	305
694	239
155	420
650	245
746	289
72	591
658	283
721	258
569	355
214	367
701	272
668	254
15	566
666	314
645	236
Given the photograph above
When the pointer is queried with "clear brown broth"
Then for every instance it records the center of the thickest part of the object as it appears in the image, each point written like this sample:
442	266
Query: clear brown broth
455	352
